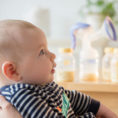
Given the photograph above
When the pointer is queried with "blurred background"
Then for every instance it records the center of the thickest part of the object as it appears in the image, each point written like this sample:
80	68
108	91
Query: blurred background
56	17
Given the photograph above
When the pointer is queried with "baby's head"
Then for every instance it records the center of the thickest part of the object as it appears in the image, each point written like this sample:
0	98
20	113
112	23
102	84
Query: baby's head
24	55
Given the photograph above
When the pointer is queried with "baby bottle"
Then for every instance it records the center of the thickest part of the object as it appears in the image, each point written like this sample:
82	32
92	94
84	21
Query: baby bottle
88	56
89	64
114	66
106	64
65	66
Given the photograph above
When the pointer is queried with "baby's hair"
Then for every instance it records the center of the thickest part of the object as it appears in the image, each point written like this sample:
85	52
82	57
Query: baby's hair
10	49
19	23
8	42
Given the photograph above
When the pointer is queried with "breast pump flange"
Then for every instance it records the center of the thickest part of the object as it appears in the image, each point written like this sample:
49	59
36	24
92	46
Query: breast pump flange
105	37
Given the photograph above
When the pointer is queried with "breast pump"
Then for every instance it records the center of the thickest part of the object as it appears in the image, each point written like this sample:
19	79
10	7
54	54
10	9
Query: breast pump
91	46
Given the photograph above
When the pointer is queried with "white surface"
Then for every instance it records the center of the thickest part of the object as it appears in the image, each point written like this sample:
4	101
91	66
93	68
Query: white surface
63	13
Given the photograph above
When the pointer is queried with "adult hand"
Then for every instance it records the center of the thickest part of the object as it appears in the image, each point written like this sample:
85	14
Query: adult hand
7	110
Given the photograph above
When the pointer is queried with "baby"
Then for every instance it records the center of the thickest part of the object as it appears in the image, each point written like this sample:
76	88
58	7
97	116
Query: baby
27	74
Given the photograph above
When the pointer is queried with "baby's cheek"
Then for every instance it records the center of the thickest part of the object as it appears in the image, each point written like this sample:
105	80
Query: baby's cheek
46	70
45	67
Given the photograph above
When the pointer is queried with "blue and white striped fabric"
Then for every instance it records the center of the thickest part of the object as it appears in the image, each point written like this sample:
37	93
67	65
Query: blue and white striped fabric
34	101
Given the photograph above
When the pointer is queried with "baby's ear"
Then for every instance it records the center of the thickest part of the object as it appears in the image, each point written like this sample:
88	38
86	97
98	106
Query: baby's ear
9	70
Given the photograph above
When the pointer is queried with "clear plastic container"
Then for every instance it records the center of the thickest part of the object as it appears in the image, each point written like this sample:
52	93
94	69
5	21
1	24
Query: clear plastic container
106	64
65	66
89	65
114	66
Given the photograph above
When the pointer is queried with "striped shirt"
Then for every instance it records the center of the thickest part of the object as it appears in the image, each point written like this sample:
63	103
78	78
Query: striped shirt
34	101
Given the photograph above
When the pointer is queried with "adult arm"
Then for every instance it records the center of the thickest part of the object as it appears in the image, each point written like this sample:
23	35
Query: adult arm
7	110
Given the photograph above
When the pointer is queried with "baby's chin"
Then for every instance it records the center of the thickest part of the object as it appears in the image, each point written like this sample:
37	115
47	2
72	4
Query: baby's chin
47	82
51	79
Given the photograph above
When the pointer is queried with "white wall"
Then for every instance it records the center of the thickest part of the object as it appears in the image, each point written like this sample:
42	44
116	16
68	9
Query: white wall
63	13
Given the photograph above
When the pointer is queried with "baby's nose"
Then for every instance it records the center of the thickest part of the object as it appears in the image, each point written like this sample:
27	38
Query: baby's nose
55	64
53	56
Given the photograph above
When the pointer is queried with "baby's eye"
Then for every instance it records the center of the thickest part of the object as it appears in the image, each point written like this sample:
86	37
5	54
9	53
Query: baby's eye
42	52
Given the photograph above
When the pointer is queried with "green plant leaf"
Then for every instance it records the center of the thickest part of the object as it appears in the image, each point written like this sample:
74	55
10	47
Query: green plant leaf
109	10
100	2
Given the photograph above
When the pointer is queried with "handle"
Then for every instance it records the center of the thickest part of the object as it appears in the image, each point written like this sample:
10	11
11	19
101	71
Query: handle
109	26
74	28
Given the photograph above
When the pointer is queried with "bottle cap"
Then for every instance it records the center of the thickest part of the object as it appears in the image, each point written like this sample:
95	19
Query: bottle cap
108	50
66	50
116	50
